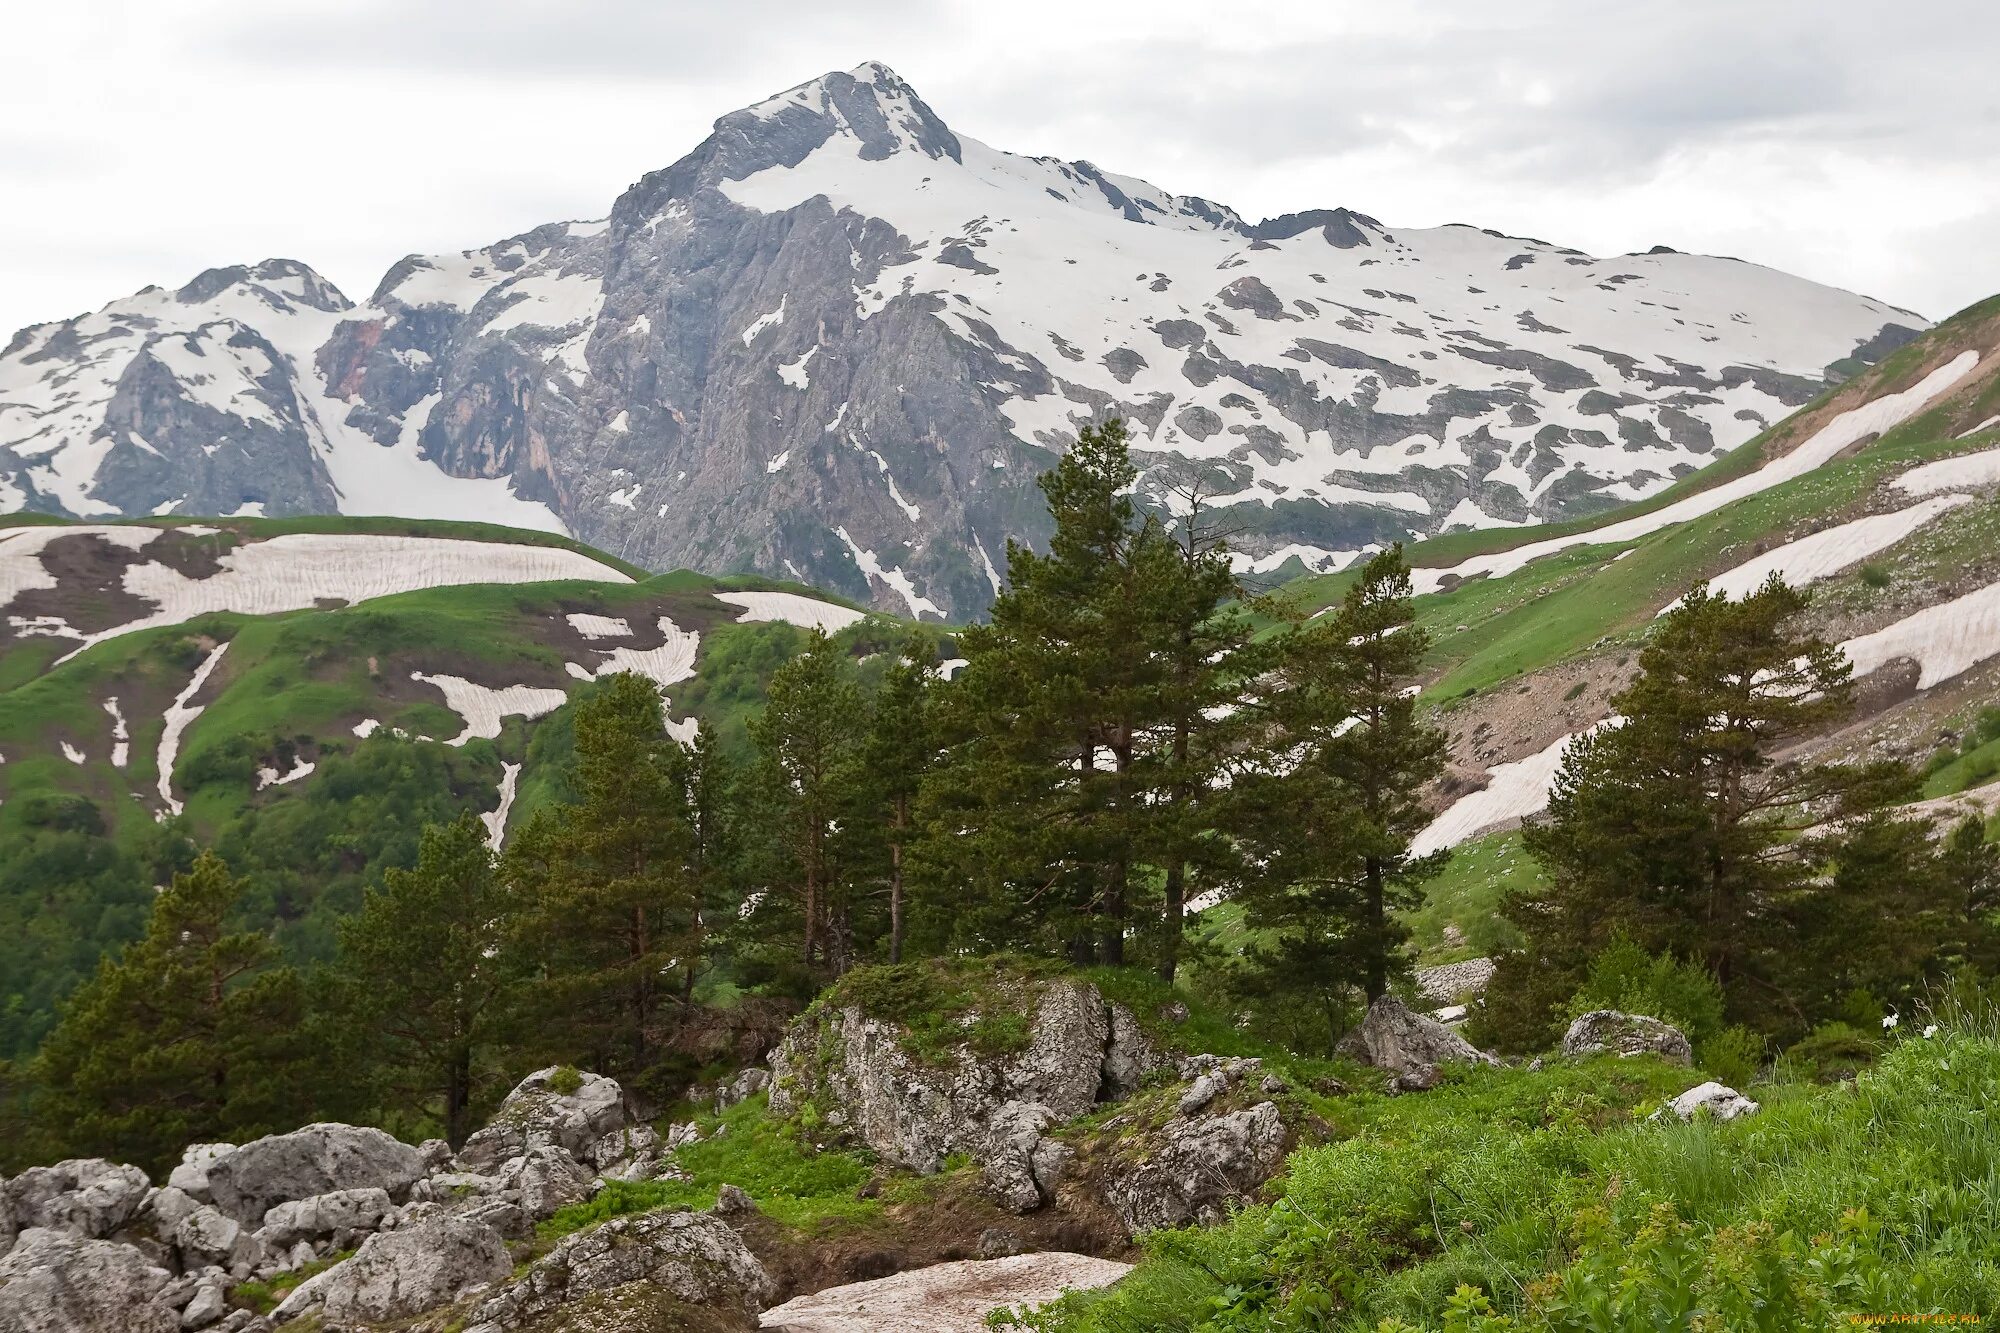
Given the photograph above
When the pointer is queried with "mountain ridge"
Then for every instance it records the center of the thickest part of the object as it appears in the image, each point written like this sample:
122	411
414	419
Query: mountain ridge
836	341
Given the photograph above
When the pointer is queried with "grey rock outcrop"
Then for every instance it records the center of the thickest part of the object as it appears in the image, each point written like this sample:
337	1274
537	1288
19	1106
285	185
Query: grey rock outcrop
207	1237
396	1274
324	1216
915	1114
1609	1032
536	1114
84	1196
691	1257
191	1176
318	1159
1714	1099
1410	1047
1197	1166
546	1179
58	1282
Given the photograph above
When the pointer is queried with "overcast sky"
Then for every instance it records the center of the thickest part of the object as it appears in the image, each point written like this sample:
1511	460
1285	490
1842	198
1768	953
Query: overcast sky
1855	143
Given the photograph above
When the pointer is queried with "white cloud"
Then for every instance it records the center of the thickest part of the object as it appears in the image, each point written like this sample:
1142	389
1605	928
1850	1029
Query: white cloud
1852	143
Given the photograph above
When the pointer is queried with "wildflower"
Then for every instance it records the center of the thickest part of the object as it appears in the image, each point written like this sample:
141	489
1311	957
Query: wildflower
1889	1023
1930	1030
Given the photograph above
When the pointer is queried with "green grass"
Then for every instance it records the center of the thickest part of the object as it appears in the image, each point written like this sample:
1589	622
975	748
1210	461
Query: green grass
943	1004
1479	876
789	1179
1552	1198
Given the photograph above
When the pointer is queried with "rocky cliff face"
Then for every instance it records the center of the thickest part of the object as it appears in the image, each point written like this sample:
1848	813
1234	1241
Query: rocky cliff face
838	341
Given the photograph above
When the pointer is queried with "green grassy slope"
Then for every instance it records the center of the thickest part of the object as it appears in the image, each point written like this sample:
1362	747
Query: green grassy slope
81	837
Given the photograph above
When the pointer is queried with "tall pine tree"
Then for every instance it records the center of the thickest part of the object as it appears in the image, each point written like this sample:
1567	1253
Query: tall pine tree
808	741
610	895
1333	814
194	1032
896	754
423	967
1680	826
1045	804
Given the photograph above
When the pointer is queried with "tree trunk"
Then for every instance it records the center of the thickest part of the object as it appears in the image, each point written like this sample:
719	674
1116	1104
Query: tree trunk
1376	982
1176	907
641	988
457	1096
896	881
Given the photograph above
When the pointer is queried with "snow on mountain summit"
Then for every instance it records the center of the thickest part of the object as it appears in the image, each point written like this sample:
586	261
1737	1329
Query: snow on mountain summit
838	340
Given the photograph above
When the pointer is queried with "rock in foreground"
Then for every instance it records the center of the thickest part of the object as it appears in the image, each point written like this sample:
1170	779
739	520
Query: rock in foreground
648	1258
53	1282
1409	1046
1717	1099
1609	1032
945	1298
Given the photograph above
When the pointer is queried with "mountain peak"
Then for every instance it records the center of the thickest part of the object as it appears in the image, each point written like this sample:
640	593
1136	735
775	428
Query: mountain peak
288	279
870	103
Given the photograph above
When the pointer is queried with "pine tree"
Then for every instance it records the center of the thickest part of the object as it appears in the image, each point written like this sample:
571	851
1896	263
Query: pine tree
423	969
710	790
1203	735
1333	813
896	753
192	1033
610	899
1969	879
1045	805
808	739
1678	825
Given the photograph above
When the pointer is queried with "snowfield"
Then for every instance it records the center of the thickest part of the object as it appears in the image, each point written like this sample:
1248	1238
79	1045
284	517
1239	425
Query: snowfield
482	706
1943	640
1966	470
669	664
1512	791
1871	418
1828	552
495	820
178	717
292	572
790	607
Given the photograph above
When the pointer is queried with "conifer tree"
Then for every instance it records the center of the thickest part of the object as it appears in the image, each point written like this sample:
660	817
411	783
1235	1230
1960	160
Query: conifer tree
1204	736
610	899
1969	885
423	969
896	753
192	1033
1679	825
808	739
1046	802
709	784
1332	815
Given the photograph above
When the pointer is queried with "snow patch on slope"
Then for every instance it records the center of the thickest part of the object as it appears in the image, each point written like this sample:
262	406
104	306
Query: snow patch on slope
1512	791
297	570
894	578
1871	418
179	716
1980	469
1828	552
792	609
482	706
495	820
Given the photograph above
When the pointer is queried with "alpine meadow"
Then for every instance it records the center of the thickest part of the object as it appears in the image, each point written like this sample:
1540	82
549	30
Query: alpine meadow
814	755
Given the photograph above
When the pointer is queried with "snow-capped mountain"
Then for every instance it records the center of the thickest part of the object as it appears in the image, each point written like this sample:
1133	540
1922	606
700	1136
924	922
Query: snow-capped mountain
838	341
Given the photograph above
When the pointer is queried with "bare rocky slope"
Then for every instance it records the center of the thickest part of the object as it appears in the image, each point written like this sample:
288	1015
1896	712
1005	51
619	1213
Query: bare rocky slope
837	341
